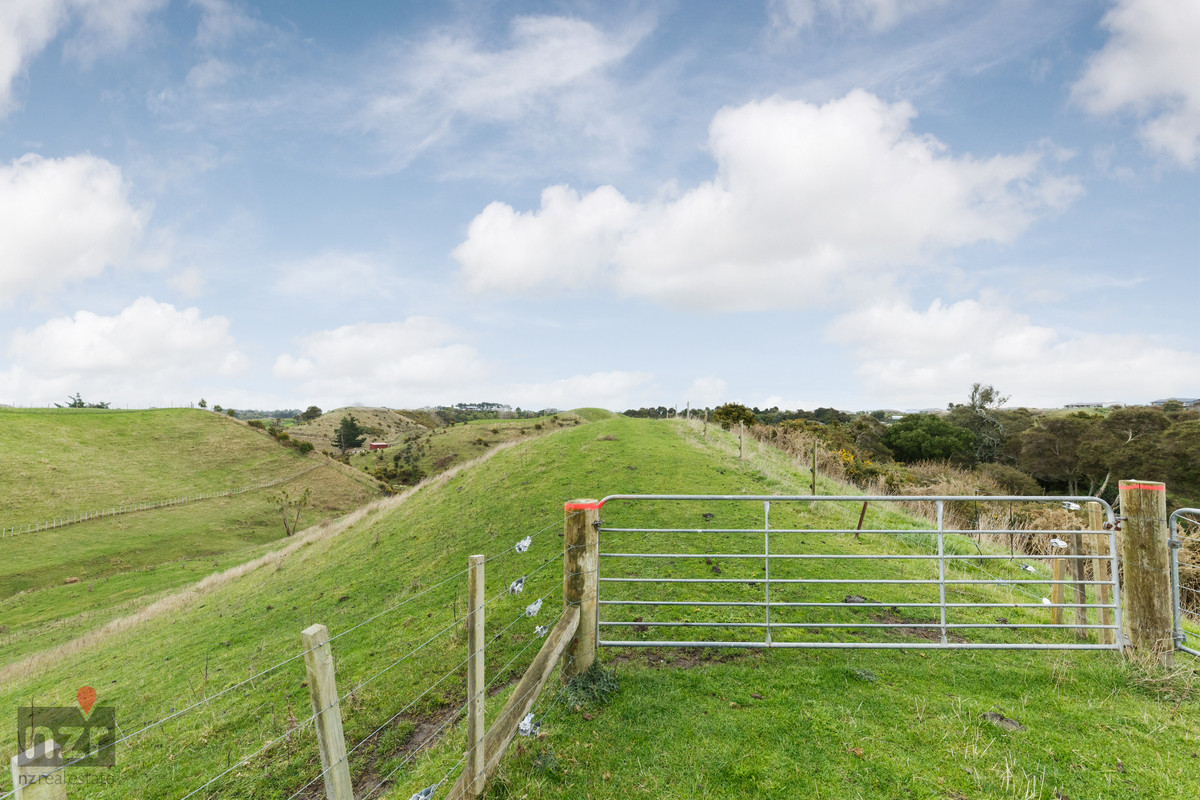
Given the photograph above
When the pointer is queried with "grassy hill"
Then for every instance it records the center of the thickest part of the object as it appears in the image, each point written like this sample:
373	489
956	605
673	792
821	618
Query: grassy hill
61	461
387	583
60	583
388	426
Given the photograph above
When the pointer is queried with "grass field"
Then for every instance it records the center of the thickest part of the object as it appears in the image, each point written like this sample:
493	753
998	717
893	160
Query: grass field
836	724
62	461
60	583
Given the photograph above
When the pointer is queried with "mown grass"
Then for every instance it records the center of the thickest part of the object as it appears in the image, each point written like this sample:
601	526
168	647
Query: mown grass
670	731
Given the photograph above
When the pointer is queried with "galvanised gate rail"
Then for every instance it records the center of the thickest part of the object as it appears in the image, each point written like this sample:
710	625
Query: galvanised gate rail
660	556
1176	543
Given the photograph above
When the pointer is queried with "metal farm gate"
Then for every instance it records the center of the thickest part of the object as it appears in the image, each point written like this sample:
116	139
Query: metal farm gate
855	572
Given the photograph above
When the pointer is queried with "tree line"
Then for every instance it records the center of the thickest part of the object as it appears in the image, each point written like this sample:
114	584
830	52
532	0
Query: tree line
1053	451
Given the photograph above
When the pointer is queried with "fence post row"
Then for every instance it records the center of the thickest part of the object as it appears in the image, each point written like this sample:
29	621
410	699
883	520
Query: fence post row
580	563
322	690
1146	556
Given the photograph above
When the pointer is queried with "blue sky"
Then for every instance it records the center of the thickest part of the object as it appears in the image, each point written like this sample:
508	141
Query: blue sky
857	203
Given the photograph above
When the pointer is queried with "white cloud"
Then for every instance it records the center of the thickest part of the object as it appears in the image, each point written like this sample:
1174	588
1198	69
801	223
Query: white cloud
222	23
415	362
806	198
62	220
1149	66
109	26
27	26
148	352
423	361
551	77
789	17
612	390
707	392
913	358
335	274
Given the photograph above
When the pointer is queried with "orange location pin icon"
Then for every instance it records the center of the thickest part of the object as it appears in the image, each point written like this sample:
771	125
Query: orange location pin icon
86	697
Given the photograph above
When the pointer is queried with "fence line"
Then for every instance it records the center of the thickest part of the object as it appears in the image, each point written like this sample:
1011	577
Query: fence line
130	508
526	614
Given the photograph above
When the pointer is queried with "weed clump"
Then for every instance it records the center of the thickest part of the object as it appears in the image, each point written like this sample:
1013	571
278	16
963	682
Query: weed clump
592	688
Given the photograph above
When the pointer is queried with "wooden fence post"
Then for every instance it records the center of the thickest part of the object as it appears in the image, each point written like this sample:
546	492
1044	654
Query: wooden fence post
1146	557
38	760
580	561
1100	571
1056	590
814	470
322	690
1077	572
475	767
741	439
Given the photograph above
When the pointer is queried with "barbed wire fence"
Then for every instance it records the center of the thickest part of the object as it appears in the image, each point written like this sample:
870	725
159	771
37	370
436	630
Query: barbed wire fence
148	505
524	626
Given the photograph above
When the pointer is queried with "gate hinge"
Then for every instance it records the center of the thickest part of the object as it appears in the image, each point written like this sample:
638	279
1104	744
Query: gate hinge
1174	544
597	523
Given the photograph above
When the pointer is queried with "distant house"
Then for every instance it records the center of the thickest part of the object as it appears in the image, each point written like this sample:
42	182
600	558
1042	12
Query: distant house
1186	402
378	445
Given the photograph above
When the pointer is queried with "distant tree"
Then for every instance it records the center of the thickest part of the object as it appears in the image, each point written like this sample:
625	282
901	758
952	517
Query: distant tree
77	402
218	409
731	414
231	412
829	416
1052	450
203	403
310	413
980	415
349	434
926	437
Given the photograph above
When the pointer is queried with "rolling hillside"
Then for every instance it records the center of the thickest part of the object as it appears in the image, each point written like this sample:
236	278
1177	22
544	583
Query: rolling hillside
60	583
388	583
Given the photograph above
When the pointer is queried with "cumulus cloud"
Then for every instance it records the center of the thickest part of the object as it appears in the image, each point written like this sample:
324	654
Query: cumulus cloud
62	220
915	358
27	26
1149	67
423	361
145	353
417	361
806	198
789	17
612	390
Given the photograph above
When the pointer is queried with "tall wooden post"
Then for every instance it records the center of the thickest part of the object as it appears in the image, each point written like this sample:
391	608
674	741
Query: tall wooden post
741	440
1100	571
1147	568
322	690
1056	591
814	470
476	684
1077	572
27	767
580	561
